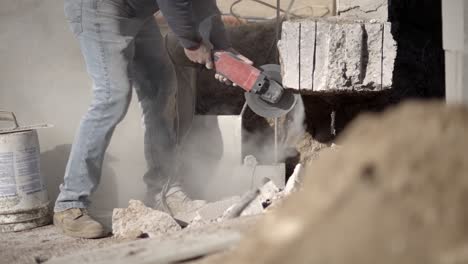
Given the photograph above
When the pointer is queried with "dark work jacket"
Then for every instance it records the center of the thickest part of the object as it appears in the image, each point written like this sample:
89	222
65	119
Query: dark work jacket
184	17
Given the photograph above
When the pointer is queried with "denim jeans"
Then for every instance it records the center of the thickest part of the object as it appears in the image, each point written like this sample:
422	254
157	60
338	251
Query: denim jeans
122	49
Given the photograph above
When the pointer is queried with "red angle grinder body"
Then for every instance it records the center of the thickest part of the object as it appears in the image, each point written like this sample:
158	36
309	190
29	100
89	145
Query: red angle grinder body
264	93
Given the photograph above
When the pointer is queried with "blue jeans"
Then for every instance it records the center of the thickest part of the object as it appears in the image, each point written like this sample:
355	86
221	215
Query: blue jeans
122	50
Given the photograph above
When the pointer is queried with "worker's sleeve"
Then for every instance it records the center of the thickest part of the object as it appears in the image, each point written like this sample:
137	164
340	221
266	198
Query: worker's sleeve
205	8
178	14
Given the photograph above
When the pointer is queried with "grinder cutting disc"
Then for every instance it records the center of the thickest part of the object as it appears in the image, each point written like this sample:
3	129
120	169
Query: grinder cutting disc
268	110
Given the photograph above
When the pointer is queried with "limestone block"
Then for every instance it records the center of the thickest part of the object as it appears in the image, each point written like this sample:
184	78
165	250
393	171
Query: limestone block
289	54
363	9
138	219
389	56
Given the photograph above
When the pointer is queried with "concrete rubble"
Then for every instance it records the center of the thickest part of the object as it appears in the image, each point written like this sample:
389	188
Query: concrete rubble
138	219
269	194
337	55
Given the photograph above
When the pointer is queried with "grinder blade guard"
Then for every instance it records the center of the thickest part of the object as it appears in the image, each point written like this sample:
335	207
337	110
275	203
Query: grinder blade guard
272	110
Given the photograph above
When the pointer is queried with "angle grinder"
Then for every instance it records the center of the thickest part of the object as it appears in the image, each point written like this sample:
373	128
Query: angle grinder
264	93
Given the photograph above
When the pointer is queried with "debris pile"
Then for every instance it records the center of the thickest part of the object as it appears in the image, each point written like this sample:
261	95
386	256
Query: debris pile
138	220
395	192
269	196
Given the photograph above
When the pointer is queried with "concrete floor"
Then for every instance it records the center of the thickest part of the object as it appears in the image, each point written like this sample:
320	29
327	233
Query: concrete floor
47	243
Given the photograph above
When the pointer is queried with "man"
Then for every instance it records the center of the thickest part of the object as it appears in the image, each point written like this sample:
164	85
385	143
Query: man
123	48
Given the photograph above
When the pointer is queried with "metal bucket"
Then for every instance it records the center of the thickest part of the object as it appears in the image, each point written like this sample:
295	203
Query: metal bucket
23	196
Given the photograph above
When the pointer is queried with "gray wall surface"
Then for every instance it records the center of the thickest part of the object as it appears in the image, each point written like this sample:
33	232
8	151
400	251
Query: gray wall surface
43	79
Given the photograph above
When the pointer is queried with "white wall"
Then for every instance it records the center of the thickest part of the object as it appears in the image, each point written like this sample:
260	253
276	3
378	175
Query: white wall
43	79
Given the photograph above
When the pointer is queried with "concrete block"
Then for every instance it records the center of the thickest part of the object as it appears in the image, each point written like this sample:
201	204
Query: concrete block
372	56
389	53
348	56
363	9
137	219
289	54
307	55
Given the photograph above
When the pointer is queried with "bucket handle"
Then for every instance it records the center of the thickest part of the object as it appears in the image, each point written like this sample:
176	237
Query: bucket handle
9	116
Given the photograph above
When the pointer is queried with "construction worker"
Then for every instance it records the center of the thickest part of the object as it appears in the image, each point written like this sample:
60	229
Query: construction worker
123	48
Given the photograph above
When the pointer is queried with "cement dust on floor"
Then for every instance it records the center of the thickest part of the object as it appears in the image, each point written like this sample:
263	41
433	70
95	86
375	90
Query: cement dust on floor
38	245
41	244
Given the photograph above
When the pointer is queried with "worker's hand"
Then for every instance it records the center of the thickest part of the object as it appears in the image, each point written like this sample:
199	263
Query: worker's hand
225	80
202	55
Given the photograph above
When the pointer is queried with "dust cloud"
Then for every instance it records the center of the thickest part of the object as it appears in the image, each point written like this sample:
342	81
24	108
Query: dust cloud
213	153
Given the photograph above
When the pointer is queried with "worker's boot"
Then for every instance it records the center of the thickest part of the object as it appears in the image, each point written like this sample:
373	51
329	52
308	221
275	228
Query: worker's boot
178	202
76	222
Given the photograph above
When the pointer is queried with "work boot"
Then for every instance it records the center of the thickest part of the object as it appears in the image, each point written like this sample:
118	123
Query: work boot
178	202
76	222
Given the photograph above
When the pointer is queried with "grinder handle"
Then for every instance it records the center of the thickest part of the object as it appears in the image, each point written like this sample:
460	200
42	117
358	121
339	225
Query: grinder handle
236	70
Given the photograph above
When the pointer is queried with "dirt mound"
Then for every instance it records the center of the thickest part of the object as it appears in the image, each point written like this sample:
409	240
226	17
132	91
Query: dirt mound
395	192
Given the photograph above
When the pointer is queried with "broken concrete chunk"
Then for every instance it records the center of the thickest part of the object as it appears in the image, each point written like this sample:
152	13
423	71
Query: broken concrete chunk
307	54
138	219
389	56
289	54
363	9
268	191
